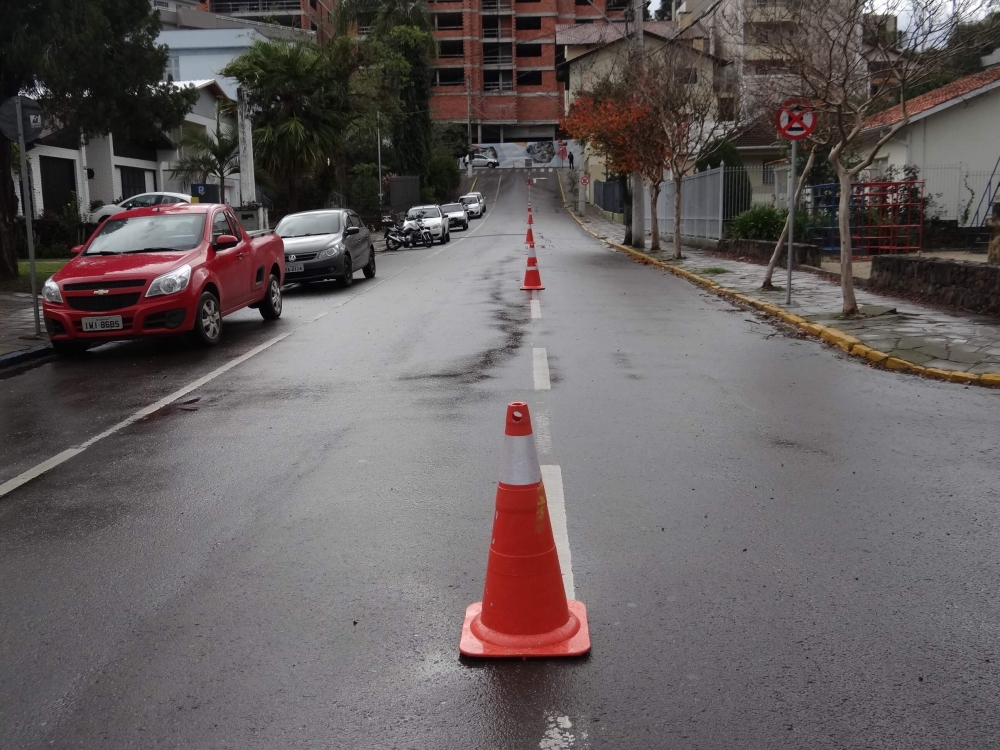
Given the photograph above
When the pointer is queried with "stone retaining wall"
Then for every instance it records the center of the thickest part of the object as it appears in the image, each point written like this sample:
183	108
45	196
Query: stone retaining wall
760	250
957	283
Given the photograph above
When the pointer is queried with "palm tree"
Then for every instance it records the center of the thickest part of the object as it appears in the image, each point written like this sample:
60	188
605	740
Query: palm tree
209	154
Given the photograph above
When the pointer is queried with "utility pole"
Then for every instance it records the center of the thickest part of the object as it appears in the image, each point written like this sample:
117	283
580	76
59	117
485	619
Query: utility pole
638	204
468	104
378	137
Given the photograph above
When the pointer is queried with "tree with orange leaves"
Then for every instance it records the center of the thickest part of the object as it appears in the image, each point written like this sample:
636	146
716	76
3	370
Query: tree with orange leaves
622	129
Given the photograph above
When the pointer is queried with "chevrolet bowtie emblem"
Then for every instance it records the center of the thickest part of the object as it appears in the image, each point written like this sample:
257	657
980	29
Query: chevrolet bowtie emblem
100	291
291	257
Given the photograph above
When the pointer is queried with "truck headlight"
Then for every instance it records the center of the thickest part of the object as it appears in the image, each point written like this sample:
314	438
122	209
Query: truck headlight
50	291
332	251
171	282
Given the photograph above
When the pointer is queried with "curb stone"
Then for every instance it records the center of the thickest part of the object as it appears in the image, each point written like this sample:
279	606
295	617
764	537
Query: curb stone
24	355
831	335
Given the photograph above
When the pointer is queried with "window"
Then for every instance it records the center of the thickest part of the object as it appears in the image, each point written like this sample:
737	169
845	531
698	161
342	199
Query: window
234	226
220	226
497	81
312	4
120	235
687	75
449	76
582	2
451	48
445	21
767	176
727	109
529	50
529	78
133	181
161	4
173	69
528	23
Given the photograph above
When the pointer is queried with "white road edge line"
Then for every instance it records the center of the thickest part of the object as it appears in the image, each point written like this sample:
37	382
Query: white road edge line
321	315
552	480
36	471
536	309
540	369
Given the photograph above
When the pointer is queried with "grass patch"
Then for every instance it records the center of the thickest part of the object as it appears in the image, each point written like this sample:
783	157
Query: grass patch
43	269
714	270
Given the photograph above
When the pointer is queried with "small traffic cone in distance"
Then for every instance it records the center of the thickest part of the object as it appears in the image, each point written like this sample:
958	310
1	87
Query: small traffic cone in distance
530	220
532	279
529	208
530	237
524	611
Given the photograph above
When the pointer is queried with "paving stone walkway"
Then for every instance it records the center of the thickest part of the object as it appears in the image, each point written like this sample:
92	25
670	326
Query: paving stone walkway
17	322
913	332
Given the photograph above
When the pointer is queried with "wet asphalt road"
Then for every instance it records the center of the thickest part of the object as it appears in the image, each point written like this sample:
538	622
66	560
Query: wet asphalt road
778	547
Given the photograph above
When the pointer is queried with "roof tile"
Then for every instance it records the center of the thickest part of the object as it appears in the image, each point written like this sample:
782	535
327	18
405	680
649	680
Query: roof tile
931	99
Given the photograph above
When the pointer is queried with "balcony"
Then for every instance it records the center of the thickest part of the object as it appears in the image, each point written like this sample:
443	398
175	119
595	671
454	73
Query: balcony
498	87
497	6
256	7
498	34
501	60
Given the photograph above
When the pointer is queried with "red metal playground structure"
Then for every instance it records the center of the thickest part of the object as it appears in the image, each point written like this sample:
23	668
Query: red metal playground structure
886	217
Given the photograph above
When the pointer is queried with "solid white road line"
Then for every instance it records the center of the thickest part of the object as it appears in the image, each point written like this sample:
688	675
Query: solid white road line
540	368
536	309
552	479
36	471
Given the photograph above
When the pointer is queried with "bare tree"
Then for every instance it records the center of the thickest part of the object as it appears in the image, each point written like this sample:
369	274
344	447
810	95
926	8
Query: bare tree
695	101
847	59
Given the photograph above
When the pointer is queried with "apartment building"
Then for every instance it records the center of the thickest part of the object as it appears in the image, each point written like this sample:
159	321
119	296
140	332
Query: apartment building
311	15
498	60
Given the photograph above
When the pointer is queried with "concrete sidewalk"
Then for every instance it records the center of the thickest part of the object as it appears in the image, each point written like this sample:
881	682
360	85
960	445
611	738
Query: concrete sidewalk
17	328
919	334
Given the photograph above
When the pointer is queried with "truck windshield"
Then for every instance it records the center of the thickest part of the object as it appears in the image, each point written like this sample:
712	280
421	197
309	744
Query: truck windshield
307	225
148	234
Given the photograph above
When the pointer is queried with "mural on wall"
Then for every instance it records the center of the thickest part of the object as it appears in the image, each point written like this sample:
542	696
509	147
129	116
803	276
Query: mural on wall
535	153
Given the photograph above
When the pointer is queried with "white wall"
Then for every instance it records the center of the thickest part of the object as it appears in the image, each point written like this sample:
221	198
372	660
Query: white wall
78	156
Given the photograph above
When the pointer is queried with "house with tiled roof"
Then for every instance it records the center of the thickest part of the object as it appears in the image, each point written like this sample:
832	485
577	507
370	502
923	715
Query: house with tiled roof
953	137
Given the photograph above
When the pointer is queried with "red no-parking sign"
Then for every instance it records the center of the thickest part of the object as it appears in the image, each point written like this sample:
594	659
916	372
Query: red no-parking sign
796	119
585	180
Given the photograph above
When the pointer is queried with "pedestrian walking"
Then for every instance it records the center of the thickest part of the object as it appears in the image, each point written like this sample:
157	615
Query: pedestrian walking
570	159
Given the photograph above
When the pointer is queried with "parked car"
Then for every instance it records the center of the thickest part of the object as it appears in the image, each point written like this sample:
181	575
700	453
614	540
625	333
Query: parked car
326	244
482	199
473	206
160	271
482	160
143	200
432	218
457	215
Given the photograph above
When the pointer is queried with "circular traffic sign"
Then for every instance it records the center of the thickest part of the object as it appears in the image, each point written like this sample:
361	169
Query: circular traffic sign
31	119
585	180
796	119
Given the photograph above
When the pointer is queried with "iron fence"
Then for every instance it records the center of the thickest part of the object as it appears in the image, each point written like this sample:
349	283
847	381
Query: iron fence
608	196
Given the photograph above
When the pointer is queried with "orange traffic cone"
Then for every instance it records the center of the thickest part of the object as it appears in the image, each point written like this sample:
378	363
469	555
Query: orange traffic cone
524	611
532	261
532	279
530	237
530	220
529	208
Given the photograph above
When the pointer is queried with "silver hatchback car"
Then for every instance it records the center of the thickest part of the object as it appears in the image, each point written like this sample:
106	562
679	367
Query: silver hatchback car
328	244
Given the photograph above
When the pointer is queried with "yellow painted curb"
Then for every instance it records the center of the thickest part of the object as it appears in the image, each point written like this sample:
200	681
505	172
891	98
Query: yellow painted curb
835	336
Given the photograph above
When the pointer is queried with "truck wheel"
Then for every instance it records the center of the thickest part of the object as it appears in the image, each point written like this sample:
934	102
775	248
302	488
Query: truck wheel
270	306
207	321
369	269
348	277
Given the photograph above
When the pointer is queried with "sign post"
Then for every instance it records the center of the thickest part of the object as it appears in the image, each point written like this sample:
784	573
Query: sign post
24	125
584	181
795	120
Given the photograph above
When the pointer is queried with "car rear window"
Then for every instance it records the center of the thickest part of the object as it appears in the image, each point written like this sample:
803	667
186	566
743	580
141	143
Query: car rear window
148	234
423	212
452	207
308	225
467	199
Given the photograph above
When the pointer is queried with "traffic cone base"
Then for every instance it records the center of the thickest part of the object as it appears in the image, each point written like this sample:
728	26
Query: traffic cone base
572	639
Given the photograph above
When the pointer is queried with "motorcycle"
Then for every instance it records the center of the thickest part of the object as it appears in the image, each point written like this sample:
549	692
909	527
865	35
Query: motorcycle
411	233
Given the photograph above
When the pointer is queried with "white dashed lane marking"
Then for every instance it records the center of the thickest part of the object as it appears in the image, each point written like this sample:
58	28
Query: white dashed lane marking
552	480
540	366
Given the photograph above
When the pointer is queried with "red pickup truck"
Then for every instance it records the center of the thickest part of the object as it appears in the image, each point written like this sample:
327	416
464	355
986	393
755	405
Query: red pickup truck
160	271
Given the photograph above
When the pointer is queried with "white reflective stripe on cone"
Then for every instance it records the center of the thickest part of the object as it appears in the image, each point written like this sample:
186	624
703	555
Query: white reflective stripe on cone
519	465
